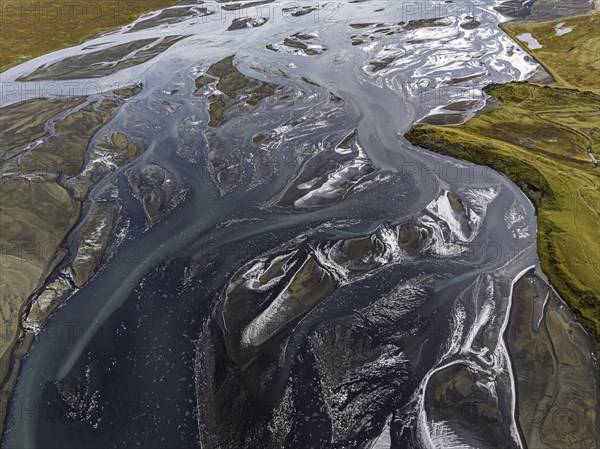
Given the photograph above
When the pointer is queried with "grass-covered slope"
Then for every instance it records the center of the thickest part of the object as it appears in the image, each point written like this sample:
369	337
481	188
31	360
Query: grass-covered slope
572	57
32	28
49	161
541	138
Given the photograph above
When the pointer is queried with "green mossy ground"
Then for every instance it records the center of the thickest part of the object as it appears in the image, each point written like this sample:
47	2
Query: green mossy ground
573	59
540	137
32	28
234	87
43	143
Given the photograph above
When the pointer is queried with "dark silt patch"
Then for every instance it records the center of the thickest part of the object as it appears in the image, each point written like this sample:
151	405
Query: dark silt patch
103	62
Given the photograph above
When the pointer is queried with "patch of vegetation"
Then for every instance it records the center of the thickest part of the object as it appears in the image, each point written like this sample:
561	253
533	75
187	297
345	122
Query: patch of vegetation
35	217
103	62
454	391
426	23
572	58
456	203
244	5
241	23
170	16
43	143
382	64
259	138
59	154
461	106
235	87
156	189
560	349
543	139
358	26
109	148
31	28
25	122
470	23
298	11
311	284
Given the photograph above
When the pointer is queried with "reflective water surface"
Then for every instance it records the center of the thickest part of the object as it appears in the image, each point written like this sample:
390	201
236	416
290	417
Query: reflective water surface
318	281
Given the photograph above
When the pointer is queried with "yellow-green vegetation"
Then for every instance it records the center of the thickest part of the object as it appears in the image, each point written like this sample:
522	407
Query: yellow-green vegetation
34	219
454	391
103	62
66	155
32	28
25	122
311	284
358	249
274	270
235	87
572	58
43	144
542	138
552	366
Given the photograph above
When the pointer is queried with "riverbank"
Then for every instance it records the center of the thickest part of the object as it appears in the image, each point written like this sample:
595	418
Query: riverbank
53	240
32	28
545	139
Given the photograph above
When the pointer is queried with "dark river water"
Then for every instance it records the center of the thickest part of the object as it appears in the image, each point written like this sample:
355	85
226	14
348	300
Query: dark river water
140	337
